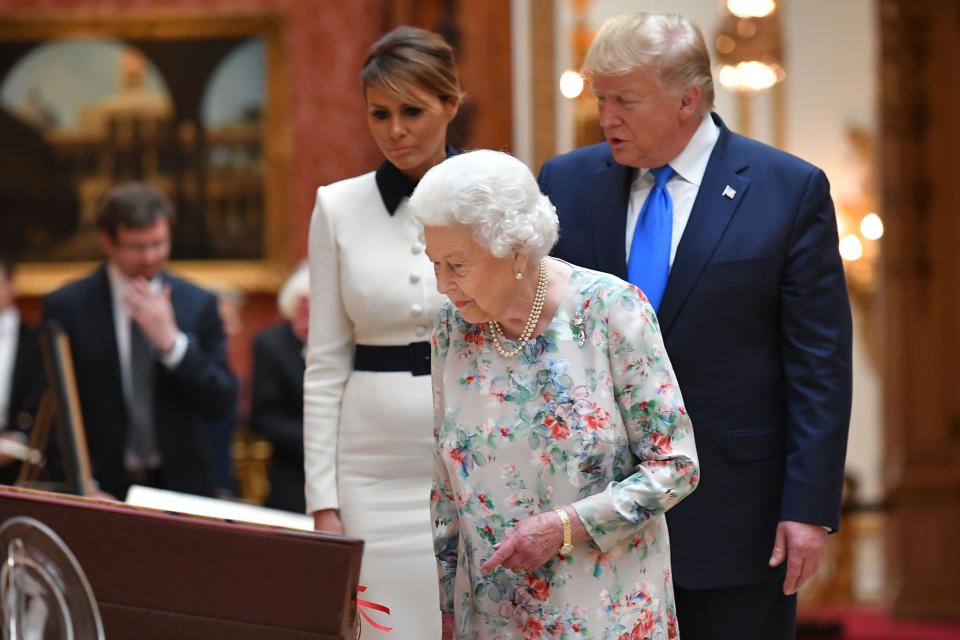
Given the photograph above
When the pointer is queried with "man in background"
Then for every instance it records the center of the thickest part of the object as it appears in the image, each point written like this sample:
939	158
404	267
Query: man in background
277	392
735	245
21	372
148	350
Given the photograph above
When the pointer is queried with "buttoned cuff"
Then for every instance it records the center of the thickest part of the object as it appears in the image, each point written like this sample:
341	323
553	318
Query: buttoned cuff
172	358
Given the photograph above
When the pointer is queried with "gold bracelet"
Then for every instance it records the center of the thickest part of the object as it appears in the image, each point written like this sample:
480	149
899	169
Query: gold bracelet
567	546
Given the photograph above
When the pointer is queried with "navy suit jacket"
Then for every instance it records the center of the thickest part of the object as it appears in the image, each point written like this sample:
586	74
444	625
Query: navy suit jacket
201	386
756	321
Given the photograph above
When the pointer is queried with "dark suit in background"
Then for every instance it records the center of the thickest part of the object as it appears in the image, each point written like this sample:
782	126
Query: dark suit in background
756	321
200	386
277	412
25	390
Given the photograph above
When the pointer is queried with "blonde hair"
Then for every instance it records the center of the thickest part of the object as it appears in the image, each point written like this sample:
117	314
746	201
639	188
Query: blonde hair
408	56
669	44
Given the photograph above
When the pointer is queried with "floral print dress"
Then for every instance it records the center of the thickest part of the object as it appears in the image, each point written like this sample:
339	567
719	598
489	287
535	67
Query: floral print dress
588	414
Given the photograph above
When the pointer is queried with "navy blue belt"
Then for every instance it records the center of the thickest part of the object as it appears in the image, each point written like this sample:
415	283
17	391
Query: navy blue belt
413	357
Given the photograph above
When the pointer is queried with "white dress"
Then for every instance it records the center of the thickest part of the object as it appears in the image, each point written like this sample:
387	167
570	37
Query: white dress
368	435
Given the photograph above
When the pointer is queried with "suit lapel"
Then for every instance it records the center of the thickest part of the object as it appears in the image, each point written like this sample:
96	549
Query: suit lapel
103	325
711	213
609	198
166	280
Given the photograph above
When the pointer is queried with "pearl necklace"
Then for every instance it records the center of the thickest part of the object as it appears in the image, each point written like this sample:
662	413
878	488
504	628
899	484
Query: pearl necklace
496	331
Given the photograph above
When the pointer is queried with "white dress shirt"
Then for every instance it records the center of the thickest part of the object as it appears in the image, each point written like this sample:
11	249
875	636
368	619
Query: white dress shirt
690	166
9	336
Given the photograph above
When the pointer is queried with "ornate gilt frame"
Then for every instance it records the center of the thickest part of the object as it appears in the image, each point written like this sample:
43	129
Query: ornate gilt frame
266	274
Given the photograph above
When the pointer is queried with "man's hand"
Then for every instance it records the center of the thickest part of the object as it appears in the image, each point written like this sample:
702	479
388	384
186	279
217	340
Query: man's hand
802	545
15	438
153	312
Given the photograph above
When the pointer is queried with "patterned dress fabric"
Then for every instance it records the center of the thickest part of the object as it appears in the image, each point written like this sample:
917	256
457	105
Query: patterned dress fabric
588	414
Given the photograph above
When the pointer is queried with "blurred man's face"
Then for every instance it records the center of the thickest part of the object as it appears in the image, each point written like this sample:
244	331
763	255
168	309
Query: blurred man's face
7	293
139	253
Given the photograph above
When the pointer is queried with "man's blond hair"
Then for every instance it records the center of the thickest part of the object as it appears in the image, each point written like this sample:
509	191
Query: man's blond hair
669	44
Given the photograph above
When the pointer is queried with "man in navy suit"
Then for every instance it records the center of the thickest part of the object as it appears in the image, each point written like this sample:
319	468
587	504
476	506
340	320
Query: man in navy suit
148	351
752	306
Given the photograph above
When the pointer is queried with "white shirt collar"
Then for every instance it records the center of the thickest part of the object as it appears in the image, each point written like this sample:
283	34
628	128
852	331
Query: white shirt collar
691	163
9	321
119	281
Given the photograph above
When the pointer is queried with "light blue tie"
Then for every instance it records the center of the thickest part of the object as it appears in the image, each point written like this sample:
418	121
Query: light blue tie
649	263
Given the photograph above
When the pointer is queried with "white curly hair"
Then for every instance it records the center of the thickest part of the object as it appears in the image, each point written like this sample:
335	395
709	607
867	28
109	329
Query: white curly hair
297	286
494	196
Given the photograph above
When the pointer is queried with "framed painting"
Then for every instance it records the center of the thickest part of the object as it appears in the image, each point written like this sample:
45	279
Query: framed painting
192	104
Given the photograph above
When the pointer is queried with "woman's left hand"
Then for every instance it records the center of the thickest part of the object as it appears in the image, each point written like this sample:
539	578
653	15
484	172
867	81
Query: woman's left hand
528	545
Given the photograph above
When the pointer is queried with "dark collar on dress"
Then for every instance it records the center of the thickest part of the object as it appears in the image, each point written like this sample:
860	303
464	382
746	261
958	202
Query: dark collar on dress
394	186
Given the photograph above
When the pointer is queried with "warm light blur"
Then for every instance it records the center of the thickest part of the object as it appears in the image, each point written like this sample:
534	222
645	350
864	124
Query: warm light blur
751	8
750	76
851	248
871	226
571	84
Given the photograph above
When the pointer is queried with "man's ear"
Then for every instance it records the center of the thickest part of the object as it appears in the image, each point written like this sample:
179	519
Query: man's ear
690	102
107	244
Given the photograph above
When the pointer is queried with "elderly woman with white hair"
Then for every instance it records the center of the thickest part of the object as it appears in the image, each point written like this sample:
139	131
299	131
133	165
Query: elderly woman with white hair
560	433
276	404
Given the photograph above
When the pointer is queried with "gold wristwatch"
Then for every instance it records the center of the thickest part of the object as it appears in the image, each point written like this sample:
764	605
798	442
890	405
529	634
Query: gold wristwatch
567	546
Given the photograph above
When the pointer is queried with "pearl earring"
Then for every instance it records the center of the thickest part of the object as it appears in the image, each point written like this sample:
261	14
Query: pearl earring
518	275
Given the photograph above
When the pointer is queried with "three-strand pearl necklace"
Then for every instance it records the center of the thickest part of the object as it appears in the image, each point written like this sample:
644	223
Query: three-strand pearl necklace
496	331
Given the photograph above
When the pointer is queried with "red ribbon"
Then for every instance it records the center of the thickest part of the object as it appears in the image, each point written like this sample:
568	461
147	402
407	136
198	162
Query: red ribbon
366	604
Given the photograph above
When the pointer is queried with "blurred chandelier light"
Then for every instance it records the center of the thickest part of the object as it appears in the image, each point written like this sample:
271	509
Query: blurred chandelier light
851	249
749	46
871	227
751	8
571	84
854	246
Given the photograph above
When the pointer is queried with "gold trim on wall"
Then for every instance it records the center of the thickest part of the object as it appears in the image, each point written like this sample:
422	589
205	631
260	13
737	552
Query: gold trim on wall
265	274
543	80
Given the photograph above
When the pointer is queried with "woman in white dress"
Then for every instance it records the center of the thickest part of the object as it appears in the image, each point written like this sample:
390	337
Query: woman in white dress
367	400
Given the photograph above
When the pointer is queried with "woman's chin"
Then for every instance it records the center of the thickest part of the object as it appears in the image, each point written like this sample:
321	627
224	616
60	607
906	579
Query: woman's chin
471	314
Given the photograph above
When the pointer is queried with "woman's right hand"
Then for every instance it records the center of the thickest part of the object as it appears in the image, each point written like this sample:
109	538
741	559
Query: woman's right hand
327	521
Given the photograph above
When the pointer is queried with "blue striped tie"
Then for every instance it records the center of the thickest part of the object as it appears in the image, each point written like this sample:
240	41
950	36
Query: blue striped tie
649	263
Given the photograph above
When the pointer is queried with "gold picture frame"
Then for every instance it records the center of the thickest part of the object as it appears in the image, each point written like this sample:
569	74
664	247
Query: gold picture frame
264	271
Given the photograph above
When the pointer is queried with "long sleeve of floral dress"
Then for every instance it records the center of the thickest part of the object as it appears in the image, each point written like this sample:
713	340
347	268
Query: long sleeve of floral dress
657	425
443	506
